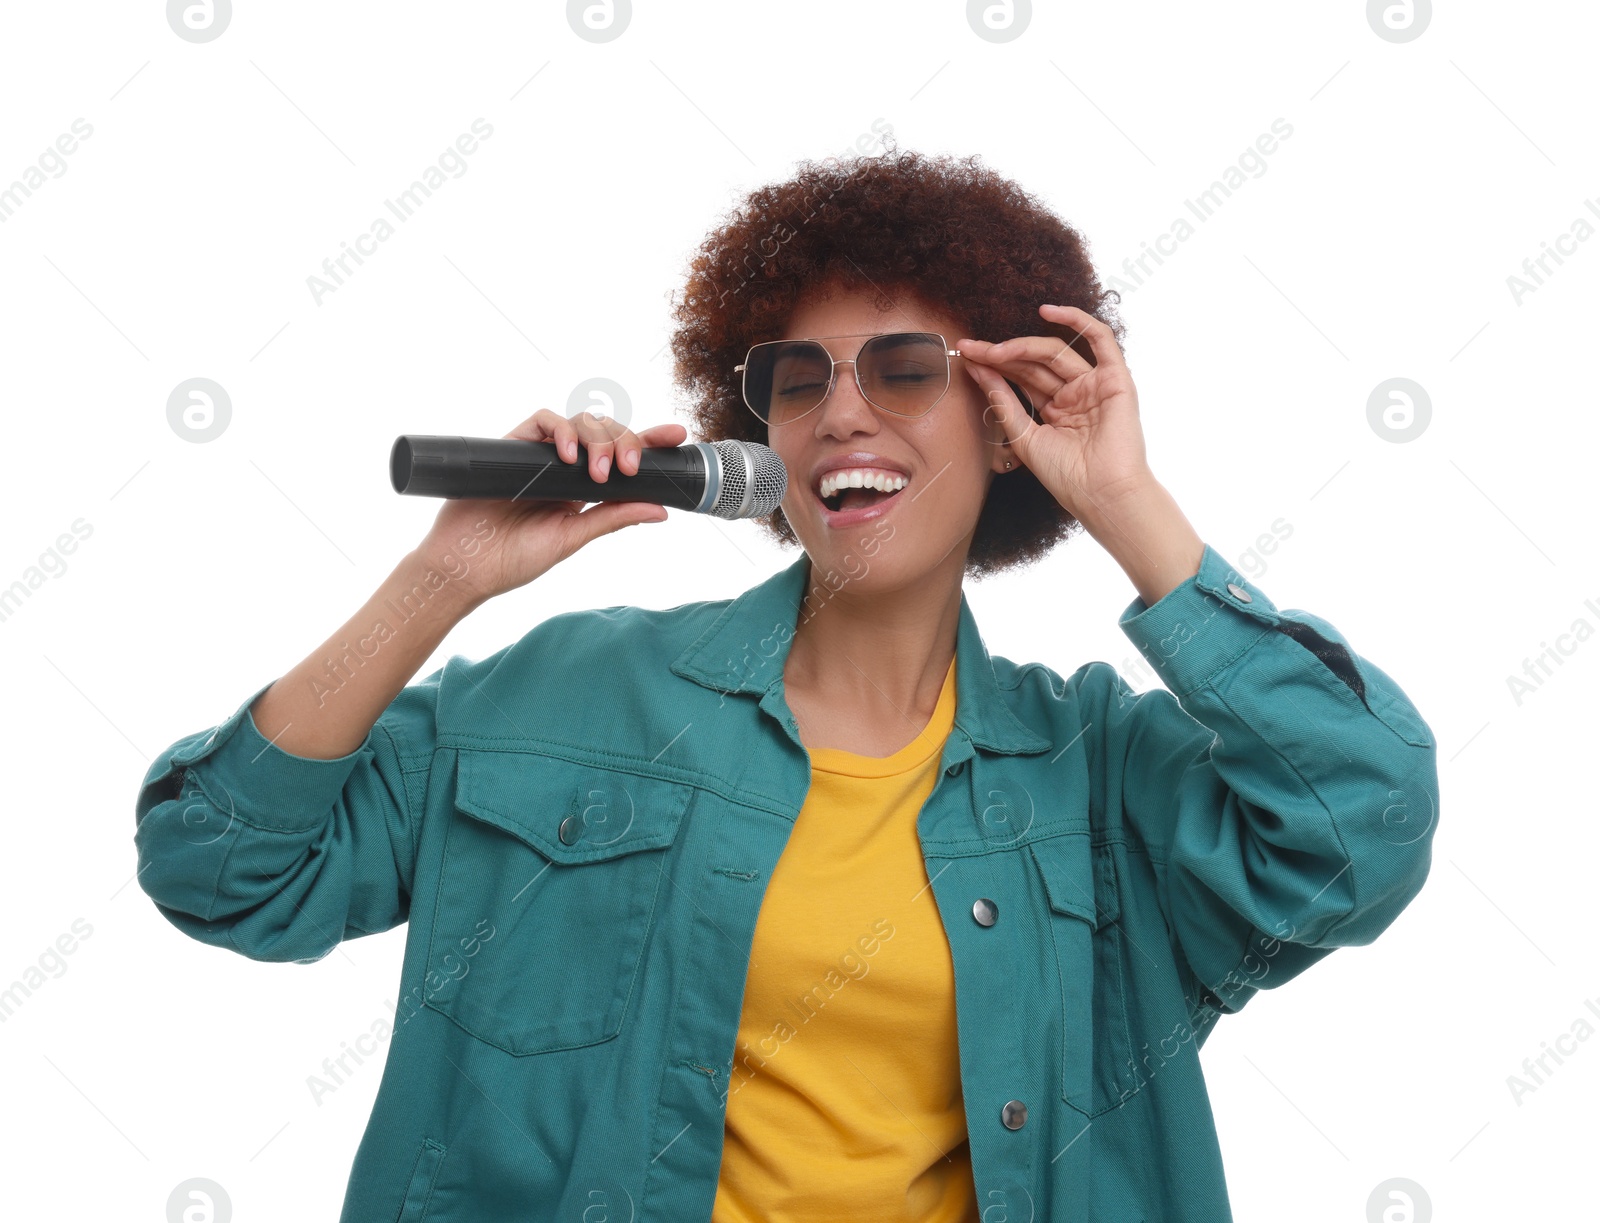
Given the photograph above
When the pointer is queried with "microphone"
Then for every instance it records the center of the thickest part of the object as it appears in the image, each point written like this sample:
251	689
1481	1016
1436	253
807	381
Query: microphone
725	479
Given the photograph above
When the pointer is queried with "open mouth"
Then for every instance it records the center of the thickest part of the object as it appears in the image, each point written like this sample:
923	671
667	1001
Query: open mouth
842	495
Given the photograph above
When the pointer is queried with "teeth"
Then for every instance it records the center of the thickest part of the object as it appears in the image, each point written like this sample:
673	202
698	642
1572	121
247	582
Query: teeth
855	477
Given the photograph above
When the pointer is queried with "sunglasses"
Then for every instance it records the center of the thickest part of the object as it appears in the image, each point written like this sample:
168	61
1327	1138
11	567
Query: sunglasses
903	373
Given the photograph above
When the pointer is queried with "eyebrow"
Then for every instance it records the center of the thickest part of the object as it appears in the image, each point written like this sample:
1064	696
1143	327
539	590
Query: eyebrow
909	339
902	339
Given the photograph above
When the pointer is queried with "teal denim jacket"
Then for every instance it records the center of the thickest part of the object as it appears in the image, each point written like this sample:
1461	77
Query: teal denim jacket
580	829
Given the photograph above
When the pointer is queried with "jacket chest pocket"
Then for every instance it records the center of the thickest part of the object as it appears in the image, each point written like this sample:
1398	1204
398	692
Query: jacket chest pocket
1091	948
548	889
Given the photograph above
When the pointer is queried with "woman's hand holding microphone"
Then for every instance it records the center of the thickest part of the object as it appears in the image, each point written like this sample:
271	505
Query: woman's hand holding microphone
325	707
520	540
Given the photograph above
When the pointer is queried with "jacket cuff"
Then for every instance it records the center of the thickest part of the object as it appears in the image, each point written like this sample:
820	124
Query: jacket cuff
1201	625
246	775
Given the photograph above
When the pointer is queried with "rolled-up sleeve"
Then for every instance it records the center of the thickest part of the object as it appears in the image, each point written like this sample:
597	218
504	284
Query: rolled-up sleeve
1284	787
281	857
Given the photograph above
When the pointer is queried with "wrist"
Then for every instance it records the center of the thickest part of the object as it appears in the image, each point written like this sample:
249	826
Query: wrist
439	583
1149	537
1119	501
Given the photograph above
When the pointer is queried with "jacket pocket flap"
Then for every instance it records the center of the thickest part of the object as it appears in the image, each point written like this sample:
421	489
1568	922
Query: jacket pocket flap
569	812
1078	878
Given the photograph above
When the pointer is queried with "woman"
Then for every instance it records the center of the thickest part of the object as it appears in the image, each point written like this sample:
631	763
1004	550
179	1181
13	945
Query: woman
802	905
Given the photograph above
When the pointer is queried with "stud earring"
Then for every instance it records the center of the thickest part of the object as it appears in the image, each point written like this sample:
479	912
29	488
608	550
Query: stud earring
1008	464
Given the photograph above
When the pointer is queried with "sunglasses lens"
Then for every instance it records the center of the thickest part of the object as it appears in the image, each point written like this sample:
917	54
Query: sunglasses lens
904	373
784	379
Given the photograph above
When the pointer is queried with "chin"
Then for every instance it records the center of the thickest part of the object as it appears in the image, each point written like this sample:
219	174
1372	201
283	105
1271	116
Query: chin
862	563
888	552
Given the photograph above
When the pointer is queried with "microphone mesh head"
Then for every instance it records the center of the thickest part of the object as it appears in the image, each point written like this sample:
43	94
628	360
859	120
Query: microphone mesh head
753	480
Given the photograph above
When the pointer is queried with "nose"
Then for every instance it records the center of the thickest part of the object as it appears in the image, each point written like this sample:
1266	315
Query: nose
844	406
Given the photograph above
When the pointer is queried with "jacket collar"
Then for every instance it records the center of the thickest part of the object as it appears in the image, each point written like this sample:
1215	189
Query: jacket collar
744	650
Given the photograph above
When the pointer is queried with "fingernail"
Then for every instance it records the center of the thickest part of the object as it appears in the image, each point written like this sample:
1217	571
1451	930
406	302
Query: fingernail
633	457
604	465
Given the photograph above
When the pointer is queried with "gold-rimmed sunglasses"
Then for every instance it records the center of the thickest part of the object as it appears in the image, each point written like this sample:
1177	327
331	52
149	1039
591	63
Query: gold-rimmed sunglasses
904	373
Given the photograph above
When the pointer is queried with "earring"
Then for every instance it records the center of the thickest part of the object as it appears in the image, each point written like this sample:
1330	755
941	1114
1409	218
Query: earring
1008	464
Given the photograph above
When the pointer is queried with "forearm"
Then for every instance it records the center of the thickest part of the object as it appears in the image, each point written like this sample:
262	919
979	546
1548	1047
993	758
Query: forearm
326	706
1148	535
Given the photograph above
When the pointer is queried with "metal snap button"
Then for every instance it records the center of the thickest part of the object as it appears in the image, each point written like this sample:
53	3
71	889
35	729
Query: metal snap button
570	831
1014	1115
1239	592
984	911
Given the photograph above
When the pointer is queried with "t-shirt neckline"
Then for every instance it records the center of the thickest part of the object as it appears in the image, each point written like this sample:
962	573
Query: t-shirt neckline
928	741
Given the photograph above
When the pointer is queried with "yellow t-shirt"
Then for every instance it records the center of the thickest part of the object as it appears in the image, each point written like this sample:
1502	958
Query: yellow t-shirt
845	1097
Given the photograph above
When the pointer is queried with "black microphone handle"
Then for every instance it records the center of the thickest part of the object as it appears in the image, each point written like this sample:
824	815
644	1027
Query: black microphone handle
514	469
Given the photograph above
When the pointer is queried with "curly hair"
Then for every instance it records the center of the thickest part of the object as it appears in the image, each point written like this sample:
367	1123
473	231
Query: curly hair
950	233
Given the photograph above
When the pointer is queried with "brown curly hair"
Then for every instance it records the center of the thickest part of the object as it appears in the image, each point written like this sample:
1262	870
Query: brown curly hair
951	233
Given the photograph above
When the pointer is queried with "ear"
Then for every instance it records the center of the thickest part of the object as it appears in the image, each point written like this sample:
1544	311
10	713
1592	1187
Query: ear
1000	453
996	434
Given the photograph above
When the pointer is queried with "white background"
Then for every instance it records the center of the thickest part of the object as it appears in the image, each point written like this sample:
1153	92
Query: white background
1376	244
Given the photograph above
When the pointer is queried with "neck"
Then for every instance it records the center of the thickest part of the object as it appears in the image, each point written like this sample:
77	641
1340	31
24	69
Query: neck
885	653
